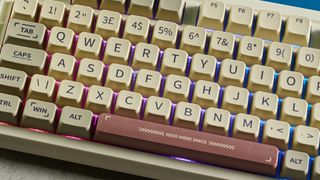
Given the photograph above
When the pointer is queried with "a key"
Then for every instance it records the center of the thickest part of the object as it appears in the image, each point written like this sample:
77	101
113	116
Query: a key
136	29
235	99
60	40
41	88
269	25
114	5
99	99
25	9
128	104
250	50
52	13
187	115
62	66
203	67
70	94
119	77
294	110
306	139
279	56
313	90
174	61
170	10
177	88
290	83
90	72
246	127
315	116
211	14
206	94
148	82
297	31
145	56
88	46
165	34
117	51
193	39
12	81
316	168
141	8
308	61
158	109
216	121
108	24
9	108
240	20
265	105
261	78
80	18
276	133
222	45
232	72
295	165
93	4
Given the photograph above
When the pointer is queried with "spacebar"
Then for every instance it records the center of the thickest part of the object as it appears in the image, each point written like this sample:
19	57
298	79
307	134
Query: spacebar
195	145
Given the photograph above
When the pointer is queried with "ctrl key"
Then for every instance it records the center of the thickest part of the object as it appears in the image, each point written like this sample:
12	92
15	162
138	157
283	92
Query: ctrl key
295	165
9	108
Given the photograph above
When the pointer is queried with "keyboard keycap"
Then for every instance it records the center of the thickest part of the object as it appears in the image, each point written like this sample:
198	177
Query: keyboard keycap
117	51
279	56
114	5
269	25
128	104
206	94
62	66
12	81
306	139
9	108
145	56
193	39
313	87
316	168
211	14
93	4
222	45
261	78
136	29
90	72
41	88
297	30
70	94
108	24
158	109
203	147
290	83
308	61
174	61
264	105
294	111
276	133
60	40
165	34
240	20
88	46
203	67
232	72
52	13
235	99
177	88
246	127
295	165
250	50
80	18
99	99
187	115
148	82
217	121
141	8
25	10
119	77
315	116
170	10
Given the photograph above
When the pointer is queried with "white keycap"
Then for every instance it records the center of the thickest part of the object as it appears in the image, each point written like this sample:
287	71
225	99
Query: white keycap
222	45
261	78
269	25
264	105
117	51
187	115
290	83
313	90
240	20
62	66
211	14
193	39
297	30
294	111
119	77
246	127
235	99
145	56
52	13
216	121
114	5
170	10
232	72
276	133
177	88
141	8
206	94
90	72
128	104
158	110
80	18
174	61
308	61
88	46
108	24
203	67
99	99
60	40
306	139
250	50
165	34
136	29
25	9
279	56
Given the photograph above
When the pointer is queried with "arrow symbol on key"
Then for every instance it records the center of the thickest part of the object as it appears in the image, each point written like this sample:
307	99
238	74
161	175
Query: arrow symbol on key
309	135
269	160
280	130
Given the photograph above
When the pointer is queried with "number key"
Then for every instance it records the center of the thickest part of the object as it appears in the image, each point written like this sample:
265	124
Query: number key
222	45
52	13
251	50
308	61
136	29
108	24
193	39
165	34
80	18
279	56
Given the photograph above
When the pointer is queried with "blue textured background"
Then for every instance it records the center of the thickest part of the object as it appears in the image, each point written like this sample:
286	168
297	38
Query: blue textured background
309	4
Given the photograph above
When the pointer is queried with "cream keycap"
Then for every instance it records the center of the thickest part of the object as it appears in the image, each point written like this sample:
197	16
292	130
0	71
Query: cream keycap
41	88
295	165
114	5
203	67
177	88
276	133
12	81
75	122
261	78
9	108
222	45
119	77
240	20
211	14
108	24
158	109
117	51
174	61
128	104
60	40
99	99
70	94
62	66
297	31
141	8
80	18
90	72
315	116
246	127
250	50
25	9
148	82
145	56
187	115
308	61
52	13
306	139
313	90
294	110
232	72
269	25
316	168
193	39
39	114
279	56
265	105
216	121
88	46
165	34
170	10
136	29
206	94
290	83
235	99
93	4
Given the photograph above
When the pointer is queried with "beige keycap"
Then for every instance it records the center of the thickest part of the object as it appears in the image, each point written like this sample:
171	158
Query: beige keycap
294	110
145	56
216	121
12	81
119	77
306	139
269	25
108	24
25	9
90	72
206	94
222	45
148	82
308	61
25	33
295	165
297	30
276	133
30	60
232	72
235	99
187	115
211	14
165	34
246	127
174	61
69	94
114	5
316	168
141	8
39	114
240	20
136	29
158	110
62	66
265	105
170	10
193	39
315	116
128	104
203	67
88	46
177	88
93	4
290	83
261	78
75	122
117	51
99	99
80	18
279	56
313	90
9	108
60	40
52	13
41	88
250	50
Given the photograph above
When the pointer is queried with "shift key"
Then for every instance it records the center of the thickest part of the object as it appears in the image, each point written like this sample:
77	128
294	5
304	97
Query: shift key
175	141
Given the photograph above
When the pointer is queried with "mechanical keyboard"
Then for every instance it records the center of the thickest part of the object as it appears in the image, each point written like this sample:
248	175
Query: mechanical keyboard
165	89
